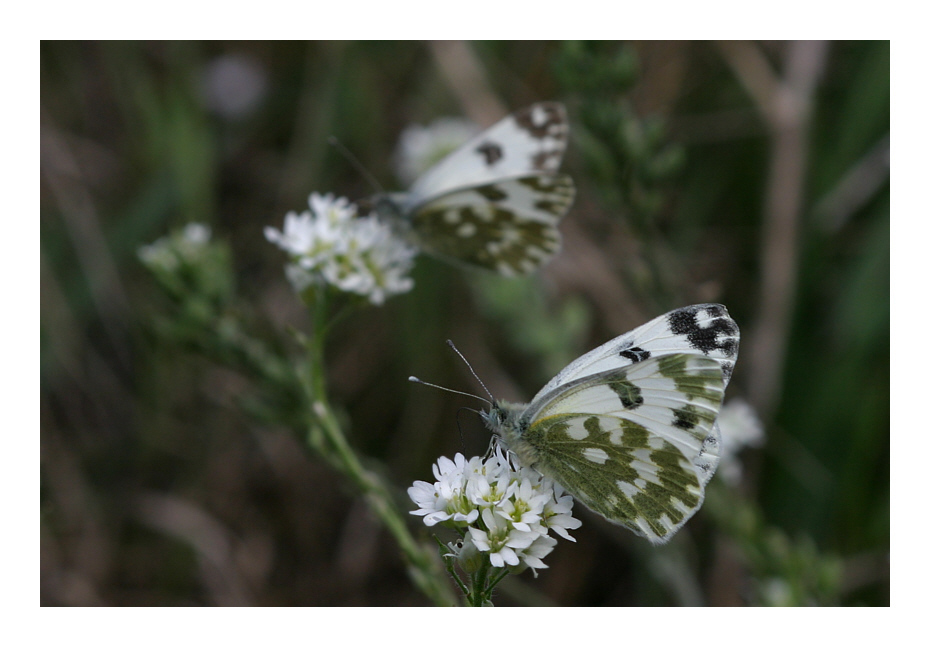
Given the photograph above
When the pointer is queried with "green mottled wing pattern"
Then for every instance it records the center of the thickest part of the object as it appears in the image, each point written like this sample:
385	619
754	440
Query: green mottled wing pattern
508	227
631	432
633	444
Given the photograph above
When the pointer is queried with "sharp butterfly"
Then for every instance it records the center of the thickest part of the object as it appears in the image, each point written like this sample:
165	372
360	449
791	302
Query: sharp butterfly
629	429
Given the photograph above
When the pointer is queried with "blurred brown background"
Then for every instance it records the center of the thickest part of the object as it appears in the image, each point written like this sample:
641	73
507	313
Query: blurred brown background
749	173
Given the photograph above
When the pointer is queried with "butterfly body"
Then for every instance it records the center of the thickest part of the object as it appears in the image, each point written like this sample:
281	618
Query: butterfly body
629	429
494	202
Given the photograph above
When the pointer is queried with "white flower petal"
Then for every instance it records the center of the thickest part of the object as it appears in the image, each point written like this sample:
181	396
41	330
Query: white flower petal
358	255
507	510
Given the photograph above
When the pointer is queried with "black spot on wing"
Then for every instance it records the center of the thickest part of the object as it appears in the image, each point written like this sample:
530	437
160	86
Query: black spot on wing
491	152
718	334
542	120
635	354
727	368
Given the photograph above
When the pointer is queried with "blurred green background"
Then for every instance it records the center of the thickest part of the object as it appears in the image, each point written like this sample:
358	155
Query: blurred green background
754	174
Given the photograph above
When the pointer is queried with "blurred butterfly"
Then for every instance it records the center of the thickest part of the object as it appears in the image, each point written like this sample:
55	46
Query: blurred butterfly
495	201
630	428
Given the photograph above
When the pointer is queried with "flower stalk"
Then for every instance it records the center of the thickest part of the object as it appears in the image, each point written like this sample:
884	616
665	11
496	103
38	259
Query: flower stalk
195	272
325	435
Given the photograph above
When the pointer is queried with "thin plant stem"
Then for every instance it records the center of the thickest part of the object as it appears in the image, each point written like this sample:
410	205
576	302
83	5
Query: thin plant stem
424	571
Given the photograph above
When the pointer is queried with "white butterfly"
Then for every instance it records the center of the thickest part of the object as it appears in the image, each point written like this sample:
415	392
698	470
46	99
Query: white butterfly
495	201
629	429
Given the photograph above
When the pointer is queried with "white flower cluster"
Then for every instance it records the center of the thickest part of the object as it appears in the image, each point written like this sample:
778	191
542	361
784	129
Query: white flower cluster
739	427
420	147
330	245
507	509
169	252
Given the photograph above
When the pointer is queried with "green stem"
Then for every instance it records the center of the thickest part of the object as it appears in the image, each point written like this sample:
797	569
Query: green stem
458	580
233	346
425	572
497	580
478	597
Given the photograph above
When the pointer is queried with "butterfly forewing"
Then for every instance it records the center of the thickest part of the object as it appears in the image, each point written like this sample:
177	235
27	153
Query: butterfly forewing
635	444
705	329
527	142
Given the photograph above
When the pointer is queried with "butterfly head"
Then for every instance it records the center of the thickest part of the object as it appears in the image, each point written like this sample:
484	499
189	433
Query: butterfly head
508	424
502	415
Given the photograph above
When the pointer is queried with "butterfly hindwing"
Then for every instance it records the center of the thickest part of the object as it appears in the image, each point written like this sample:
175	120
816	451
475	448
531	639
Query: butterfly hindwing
508	227
635	444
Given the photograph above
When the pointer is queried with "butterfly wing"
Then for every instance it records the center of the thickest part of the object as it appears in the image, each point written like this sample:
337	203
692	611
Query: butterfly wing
705	329
494	202
635	444
530	141
508	226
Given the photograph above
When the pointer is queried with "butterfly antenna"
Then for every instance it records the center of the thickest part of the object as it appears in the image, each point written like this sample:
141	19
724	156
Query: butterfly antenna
474	374
457	392
335	143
